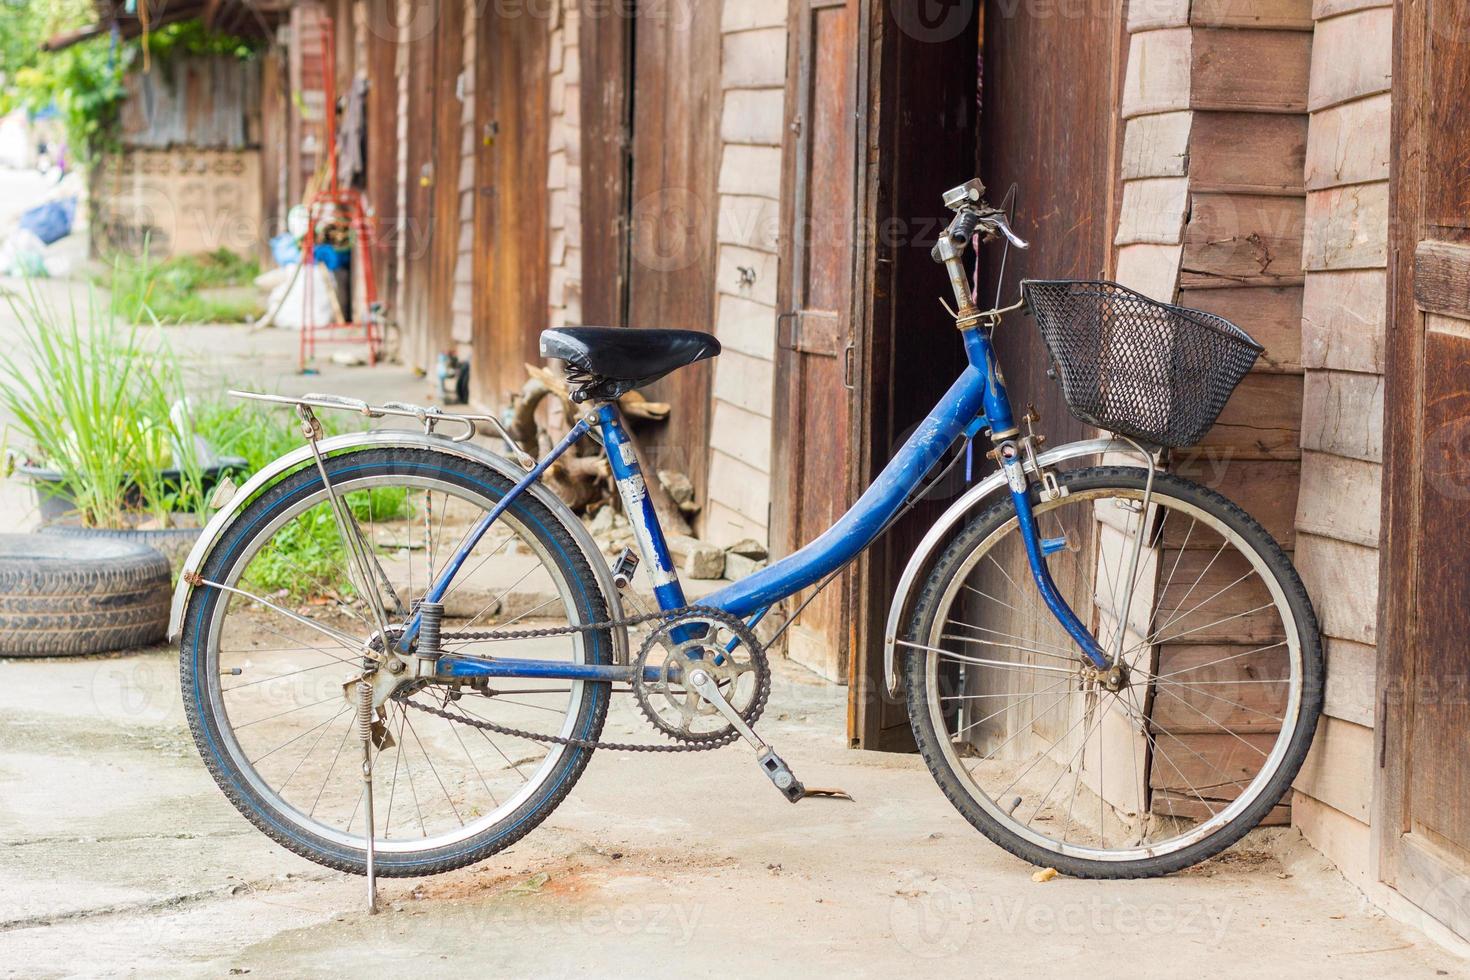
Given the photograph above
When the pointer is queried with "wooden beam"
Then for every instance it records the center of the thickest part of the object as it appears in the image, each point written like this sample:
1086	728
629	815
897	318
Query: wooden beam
1442	278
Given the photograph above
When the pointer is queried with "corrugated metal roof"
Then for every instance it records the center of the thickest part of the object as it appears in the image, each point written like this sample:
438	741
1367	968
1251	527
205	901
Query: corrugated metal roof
208	103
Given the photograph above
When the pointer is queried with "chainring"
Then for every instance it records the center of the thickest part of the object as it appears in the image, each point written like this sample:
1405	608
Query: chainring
728	649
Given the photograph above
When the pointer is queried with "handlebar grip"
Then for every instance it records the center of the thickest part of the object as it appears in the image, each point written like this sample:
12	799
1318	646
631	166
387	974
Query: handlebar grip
962	229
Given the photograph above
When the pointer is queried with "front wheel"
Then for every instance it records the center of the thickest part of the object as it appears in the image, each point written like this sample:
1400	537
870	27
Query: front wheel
283	620
1159	764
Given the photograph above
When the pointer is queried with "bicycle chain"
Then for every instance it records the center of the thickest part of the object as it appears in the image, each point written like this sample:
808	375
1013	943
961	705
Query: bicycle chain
568	741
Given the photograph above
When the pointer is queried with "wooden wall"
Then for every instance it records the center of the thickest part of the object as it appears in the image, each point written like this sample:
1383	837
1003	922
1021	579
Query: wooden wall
753	85
1213	211
1345	254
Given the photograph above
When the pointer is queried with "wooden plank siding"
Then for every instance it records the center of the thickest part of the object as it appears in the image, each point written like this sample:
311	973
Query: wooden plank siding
1214	216
753	90
1344	257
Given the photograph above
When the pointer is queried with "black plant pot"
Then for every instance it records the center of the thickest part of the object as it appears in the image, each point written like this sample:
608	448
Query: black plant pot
57	503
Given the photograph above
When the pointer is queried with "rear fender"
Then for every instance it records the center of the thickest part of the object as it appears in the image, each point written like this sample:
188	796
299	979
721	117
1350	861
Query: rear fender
394	439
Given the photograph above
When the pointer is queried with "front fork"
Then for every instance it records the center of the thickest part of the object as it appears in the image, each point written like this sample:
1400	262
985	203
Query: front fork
1011	455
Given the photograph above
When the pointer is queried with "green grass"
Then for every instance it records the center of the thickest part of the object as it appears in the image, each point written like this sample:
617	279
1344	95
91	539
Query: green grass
173	291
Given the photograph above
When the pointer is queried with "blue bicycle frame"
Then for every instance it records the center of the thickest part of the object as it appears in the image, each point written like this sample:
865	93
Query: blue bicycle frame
976	402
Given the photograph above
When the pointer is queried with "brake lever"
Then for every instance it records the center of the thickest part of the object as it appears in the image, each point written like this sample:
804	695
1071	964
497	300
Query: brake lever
998	222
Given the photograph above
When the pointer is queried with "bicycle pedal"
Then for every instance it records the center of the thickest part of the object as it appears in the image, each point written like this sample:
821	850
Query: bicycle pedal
781	775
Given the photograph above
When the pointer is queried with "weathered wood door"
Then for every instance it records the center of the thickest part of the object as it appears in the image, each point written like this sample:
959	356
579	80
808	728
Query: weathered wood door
512	249
814	357
445	200
382	133
1423	795
417	227
676	104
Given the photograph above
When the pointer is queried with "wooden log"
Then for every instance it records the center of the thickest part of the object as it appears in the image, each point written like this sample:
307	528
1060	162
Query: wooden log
1151	15
1202	588
1216	767
1342	580
1322	9
1250	70
1272	316
1153	211
1262	420
1248	152
1151	269
1442	278
1351	681
1352	56
1347	228
1343	840
1158	76
1339	769
1344	318
1157	146
1169	804
1342	413
1265	488
1237	688
1281	15
1349	143
1243	239
1340	498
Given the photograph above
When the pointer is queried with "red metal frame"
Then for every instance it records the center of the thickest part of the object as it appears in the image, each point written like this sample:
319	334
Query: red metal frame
340	201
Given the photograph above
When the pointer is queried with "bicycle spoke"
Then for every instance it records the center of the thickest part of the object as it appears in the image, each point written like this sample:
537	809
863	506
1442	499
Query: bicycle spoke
1063	653
1212	663
434	769
1172	775
1030	697
1007	646
961	658
296	739
350	642
1228	731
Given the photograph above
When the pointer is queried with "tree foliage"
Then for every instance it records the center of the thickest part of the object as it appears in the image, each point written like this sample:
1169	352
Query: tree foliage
84	83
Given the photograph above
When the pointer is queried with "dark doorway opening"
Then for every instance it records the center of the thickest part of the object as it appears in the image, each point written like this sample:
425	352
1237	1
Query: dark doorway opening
1022	96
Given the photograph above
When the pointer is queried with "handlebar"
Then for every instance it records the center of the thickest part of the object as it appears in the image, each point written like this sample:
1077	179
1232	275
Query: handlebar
972	215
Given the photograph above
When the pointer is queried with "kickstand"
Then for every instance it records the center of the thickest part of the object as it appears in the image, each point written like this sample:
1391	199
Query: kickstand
365	733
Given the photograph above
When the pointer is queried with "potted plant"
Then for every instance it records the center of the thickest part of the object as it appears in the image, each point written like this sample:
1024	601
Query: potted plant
111	447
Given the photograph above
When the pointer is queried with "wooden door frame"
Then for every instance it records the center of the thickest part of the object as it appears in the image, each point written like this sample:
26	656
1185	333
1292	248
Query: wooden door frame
785	489
1397	857
605	50
444	198
877	425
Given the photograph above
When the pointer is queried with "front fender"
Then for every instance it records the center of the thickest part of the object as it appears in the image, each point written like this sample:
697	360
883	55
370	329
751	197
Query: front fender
939	534
394	439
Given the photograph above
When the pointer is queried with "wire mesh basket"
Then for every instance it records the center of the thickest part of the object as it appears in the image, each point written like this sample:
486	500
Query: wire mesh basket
1138	367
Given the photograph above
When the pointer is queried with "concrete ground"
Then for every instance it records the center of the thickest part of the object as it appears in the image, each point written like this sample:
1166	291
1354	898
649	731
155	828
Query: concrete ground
120	857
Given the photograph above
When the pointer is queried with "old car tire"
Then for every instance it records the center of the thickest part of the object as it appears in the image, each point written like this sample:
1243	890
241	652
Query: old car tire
62	596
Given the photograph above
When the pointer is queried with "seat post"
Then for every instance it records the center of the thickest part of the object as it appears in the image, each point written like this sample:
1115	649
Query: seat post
638	504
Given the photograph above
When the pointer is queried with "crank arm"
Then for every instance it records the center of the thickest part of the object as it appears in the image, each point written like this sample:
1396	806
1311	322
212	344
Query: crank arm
771	764
702	682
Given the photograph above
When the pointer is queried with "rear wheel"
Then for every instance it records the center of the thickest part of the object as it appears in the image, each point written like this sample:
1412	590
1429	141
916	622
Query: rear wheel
264	666
1167	761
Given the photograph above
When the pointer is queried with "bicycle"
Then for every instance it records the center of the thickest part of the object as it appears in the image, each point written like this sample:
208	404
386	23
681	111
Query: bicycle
1109	670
